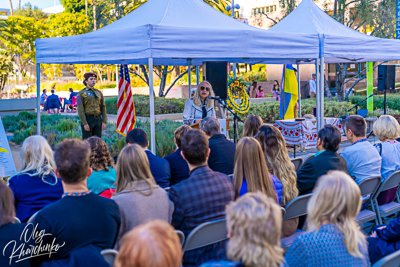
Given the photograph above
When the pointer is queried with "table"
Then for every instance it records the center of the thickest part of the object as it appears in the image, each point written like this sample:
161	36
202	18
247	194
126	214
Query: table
303	132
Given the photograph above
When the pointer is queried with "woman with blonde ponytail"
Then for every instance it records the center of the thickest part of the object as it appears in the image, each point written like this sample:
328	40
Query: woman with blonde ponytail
333	238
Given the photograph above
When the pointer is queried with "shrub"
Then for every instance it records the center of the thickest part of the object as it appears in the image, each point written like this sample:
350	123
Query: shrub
392	101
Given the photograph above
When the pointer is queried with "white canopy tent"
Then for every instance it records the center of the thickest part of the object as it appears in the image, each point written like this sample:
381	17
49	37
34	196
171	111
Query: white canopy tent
175	32
337	43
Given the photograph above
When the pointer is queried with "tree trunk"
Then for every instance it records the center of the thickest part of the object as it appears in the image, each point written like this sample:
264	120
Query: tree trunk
86	7
19	4
94	15
341	72
328	92
11	8
237	68
164	74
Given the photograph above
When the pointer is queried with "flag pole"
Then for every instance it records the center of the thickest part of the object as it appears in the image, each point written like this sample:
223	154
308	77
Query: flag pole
283	91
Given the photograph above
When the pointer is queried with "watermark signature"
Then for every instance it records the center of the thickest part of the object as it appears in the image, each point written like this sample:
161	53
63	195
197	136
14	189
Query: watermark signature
31	245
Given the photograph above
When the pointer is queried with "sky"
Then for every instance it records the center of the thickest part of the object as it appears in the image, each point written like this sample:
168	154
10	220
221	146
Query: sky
39	3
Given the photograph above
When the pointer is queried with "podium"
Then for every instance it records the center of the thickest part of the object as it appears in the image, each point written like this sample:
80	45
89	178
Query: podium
223	128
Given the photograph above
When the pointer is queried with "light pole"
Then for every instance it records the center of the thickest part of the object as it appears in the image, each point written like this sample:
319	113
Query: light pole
232	8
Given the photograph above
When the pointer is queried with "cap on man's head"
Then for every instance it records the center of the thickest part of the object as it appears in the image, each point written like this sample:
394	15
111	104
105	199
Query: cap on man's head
314	75
89	74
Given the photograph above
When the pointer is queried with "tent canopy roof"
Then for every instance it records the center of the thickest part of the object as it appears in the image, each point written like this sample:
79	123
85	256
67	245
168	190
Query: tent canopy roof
338	43
172	31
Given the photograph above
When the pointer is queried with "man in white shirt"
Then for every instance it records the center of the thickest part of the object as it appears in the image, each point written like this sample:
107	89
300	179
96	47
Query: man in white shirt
313	86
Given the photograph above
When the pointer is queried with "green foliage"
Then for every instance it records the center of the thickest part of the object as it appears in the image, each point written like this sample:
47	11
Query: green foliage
66	24
30	12
6	67
74	6
392	101
142	105
254	75
67	125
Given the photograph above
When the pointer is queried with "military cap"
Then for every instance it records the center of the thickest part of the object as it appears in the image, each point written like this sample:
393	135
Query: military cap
89	74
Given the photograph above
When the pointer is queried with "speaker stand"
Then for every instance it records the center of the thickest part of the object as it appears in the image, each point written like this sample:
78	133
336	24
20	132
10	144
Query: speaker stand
384	103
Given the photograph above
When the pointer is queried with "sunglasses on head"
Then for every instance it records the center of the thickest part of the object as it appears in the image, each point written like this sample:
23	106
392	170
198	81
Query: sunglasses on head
202	88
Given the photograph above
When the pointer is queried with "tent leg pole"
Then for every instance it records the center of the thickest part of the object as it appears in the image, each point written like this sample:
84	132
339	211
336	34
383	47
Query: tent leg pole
189	76
322	85
38	97
198	75
152	121
317	92
299	97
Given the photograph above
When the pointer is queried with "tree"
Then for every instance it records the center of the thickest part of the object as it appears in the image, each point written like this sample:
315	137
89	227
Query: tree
94	15
52	70
11	8
21	43
31	12
6	68
66	24
74	6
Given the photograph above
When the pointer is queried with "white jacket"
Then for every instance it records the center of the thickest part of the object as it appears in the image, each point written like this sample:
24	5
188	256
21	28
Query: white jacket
193	112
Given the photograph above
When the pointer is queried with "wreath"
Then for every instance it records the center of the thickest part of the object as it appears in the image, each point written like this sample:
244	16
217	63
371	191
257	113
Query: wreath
238	99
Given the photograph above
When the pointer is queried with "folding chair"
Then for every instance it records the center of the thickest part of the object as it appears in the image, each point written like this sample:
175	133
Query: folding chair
73	105
181	236
33	217
308	159
231	176
16	220
206	234
167	189
389	261
295	208
368	187
390	208
109	255
297	162
283	212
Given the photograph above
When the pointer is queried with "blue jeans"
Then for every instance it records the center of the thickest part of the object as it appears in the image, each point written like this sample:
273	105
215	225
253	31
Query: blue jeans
66	102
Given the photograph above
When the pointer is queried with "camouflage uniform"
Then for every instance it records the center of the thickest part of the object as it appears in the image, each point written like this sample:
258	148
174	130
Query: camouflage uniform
91	111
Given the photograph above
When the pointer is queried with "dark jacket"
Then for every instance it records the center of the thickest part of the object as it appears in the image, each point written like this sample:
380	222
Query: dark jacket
159	168
13	232
33	193
72	95
309	173
52	102
179	167
222	154
201	198
386	242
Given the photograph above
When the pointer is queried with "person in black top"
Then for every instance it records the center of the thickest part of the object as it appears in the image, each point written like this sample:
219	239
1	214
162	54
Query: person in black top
81	221
179	167
11	236
328	142
222	155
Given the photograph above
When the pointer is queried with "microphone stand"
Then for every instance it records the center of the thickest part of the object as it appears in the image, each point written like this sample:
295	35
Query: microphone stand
356	105
235	117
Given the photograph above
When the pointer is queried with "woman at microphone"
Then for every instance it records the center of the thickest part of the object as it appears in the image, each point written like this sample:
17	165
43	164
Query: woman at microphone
199	106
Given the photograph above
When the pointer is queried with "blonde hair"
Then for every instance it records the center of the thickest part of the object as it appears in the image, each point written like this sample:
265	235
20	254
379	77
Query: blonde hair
254	222
337	199
37	156
197	98
250	163
252	125
386	128
277	158
154	244
133	166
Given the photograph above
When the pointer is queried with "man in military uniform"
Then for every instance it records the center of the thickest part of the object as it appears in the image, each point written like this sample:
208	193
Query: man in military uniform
91	108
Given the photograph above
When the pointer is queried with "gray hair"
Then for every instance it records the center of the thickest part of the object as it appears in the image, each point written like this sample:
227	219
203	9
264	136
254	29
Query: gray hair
210	126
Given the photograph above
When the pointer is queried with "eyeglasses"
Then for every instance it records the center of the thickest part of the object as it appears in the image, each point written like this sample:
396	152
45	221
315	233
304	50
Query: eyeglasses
202	88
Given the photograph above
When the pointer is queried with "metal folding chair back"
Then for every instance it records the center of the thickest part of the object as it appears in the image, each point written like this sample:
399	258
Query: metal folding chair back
389	261
109	255
206	234
297	207
368	188
181	237
16	220
392	181
33	217
308	159
297	162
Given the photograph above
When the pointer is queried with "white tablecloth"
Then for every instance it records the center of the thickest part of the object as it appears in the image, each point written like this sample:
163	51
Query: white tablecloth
305	132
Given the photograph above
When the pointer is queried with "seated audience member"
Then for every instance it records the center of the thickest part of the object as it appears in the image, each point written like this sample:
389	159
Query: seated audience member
200	198
278	162
222	155
138	196
254	223
328	143
35	186
83	222
52	102
10	231
388	129
159	167
102	180
69	101
251	173
384	240
363	160
43	97
333	238
179	168
252	125
152	244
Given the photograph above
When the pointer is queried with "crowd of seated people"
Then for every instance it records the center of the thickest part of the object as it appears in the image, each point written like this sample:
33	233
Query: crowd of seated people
85	204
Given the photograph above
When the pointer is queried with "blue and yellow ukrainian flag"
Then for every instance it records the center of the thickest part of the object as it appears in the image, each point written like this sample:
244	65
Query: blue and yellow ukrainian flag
289	93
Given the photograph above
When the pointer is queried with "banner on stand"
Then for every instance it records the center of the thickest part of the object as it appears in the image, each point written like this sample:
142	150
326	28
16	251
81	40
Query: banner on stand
370	85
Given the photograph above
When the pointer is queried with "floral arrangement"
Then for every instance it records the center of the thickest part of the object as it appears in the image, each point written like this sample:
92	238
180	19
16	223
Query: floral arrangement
238	99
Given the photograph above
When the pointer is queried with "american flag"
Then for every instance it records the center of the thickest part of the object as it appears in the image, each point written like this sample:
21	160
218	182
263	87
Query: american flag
126	107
